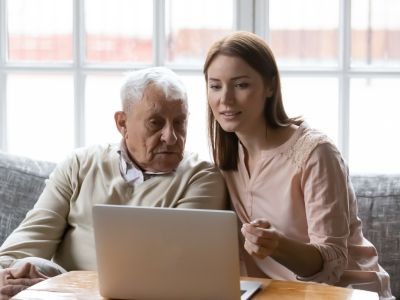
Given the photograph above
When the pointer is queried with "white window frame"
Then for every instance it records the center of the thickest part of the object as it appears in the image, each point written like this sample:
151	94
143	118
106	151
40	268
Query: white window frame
3	92
243	11
250	15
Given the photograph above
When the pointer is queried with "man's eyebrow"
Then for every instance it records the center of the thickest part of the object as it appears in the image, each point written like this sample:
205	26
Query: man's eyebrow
182	116
154	114
157	114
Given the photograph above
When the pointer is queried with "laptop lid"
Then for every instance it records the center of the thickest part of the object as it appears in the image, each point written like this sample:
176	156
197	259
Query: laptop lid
164	253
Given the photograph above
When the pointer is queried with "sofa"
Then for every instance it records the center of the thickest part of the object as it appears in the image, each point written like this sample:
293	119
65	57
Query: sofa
22	180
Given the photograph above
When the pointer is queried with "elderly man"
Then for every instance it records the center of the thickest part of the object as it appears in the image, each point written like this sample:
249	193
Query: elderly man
148	168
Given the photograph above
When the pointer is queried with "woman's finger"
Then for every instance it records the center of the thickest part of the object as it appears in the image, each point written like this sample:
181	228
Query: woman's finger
257	250
262	223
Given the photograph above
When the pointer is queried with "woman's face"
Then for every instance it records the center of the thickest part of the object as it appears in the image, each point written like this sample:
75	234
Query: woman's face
236	94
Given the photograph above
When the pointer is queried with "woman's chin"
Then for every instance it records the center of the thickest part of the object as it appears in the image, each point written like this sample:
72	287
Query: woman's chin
229	128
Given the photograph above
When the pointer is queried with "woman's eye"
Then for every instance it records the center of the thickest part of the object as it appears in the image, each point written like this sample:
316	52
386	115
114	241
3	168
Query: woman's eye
242	85
214	86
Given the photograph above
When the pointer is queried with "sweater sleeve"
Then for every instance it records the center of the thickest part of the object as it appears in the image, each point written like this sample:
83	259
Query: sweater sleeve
205	189
41	231
325	186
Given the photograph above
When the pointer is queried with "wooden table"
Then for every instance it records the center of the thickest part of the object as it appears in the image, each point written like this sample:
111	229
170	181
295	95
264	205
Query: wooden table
79	285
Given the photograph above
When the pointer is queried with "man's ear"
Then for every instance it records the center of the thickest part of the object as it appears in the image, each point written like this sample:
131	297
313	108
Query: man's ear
120	122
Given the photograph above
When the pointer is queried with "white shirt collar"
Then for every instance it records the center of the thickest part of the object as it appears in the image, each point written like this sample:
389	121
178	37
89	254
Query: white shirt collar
130	171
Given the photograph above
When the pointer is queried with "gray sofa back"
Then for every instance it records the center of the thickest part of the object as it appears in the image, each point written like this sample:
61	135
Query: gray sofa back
378	200
22	181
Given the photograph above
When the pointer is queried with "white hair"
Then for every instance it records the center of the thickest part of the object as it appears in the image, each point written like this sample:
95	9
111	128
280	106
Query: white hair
136	82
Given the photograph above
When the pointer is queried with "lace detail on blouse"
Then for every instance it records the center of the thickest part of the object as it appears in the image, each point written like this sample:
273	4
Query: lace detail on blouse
300	151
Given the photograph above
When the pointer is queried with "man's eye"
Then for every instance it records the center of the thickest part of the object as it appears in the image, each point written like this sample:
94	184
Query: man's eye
180	123
154	124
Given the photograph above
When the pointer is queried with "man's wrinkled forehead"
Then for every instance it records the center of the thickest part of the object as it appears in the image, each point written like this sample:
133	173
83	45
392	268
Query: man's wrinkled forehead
161	106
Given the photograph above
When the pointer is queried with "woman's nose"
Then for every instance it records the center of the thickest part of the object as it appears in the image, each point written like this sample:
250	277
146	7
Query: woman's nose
227	96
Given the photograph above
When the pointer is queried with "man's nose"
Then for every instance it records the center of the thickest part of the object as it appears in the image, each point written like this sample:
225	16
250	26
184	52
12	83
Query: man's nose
168	135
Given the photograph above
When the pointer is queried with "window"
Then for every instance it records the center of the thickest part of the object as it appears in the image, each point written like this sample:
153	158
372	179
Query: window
39	31
339	63
118	31
61	64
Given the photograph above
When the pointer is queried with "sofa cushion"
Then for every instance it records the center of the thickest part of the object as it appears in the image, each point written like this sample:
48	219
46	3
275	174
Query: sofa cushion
21	182
378	200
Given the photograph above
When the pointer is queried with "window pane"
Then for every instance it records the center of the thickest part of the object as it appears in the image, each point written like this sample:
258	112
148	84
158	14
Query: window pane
102	100
39	30
316	100
40	115
197	138
119	31
306	34
374	126
192	26
375	34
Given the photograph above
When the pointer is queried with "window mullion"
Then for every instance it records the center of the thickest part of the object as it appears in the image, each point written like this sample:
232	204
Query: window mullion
244	12
3	76
3	33
261	19
78	72
344	78
159	32
3	111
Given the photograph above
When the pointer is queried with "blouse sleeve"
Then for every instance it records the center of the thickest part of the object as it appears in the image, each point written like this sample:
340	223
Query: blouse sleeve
325	185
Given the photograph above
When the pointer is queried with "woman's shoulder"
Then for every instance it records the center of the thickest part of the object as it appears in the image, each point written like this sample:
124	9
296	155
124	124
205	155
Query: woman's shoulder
307	141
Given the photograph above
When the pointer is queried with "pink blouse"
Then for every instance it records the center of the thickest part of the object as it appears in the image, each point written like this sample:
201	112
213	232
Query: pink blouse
302	187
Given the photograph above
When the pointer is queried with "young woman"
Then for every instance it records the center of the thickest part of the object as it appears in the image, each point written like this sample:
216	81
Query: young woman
288	183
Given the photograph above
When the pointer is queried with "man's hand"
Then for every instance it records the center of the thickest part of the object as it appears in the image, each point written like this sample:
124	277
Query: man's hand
261	239
14	280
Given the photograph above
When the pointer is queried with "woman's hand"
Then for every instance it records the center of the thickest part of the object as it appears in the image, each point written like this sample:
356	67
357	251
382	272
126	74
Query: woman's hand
14	280
261	239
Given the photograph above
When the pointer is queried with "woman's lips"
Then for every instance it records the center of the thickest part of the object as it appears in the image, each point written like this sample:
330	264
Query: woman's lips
229	115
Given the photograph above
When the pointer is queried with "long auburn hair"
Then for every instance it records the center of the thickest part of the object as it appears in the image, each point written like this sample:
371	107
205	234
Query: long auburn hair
255	52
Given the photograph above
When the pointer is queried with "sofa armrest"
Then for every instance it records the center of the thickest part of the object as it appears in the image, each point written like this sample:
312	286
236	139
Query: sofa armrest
378	200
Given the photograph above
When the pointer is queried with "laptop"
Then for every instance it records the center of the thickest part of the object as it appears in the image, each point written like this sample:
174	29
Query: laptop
168	253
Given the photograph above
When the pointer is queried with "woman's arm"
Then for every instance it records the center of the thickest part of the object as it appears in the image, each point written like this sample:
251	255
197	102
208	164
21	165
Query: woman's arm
263	240
324	257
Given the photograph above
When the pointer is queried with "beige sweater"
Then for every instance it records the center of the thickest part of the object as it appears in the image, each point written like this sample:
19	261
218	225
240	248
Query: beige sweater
59	227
